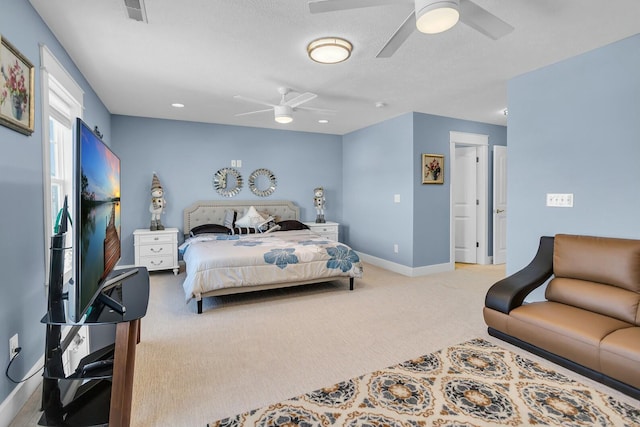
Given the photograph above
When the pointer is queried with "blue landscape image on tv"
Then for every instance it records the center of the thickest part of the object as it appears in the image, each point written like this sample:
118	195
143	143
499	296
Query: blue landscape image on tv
99	188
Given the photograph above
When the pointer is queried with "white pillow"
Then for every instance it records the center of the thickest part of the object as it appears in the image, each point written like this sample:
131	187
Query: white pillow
250	219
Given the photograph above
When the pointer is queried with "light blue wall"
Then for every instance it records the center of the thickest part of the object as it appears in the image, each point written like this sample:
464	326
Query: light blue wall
377	165
22	246
385	159
432	207
574	127
185	156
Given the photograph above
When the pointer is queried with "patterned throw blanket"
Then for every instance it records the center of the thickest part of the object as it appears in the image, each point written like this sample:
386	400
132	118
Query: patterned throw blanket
221	261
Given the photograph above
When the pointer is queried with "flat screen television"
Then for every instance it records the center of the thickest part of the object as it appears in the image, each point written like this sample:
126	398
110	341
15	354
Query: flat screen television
96	219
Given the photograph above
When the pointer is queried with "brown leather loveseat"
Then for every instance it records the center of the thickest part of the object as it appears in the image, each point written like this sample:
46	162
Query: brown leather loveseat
590	321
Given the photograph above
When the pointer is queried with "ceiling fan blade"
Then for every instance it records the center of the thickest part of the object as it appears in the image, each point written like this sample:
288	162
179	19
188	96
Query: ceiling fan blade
254	112
483	21
398	37
318	110
322	6
256	101
300	99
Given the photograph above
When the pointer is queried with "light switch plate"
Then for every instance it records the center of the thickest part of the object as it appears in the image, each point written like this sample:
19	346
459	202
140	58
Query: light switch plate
560	200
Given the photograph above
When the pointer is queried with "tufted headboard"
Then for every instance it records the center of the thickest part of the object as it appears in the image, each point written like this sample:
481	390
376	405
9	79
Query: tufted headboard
212	211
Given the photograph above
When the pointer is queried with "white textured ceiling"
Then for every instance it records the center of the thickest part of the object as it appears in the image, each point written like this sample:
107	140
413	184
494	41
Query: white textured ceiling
203	52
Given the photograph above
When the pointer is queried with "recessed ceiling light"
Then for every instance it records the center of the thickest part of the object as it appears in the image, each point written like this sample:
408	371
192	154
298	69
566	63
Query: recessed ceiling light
329	50
177	105
323	121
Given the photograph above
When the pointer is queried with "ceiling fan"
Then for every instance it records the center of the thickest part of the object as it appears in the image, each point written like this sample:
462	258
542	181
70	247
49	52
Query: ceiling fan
428	16
283	111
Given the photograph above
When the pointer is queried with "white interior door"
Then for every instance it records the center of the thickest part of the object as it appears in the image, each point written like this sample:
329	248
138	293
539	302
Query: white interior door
465	205
499	204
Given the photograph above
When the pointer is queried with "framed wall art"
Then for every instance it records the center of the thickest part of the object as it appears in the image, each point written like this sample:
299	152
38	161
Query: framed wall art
16	89
432	168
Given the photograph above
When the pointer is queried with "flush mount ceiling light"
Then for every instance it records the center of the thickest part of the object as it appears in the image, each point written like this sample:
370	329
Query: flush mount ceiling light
329	50
177	105
283	113
436	16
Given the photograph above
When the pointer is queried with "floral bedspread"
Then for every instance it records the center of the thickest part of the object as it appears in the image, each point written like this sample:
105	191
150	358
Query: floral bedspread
222	261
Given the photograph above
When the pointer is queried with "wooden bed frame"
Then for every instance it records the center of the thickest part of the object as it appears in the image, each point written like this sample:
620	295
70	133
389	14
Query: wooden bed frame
212	212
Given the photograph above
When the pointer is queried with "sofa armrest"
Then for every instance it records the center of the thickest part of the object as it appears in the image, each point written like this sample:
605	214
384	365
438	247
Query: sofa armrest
511	291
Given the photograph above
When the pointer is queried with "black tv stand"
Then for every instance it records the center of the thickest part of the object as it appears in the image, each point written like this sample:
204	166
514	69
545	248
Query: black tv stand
119	276
110	302
99	391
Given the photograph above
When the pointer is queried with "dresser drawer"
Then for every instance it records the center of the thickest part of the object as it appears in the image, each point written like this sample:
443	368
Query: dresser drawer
158	262
156	250
156	238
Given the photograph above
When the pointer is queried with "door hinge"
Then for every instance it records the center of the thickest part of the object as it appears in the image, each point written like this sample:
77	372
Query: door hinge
477	244
477	202
477	159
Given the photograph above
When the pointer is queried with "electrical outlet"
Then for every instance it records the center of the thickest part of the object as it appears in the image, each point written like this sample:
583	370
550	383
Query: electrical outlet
13	345
239	163
233	163
395	248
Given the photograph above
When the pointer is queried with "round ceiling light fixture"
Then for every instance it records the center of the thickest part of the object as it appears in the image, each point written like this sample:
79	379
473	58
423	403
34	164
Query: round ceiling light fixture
329	50
283	113
436	16
177	105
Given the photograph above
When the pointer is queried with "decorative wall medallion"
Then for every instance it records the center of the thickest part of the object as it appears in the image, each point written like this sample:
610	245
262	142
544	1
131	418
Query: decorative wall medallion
262	182
227	182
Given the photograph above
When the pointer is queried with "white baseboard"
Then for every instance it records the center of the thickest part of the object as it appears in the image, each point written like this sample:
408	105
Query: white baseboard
10	407
405	270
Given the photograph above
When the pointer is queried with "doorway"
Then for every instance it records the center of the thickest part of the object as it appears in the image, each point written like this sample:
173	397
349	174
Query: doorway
469	198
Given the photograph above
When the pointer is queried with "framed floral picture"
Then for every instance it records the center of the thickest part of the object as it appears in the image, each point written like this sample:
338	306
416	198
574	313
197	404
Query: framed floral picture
16	89
432	169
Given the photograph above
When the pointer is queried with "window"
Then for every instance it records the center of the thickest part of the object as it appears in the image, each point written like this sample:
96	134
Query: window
62	103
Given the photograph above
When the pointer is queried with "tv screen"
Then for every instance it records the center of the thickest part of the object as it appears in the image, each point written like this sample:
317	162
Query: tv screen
96	220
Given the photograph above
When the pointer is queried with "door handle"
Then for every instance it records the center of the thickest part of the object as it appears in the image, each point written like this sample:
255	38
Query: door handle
499	210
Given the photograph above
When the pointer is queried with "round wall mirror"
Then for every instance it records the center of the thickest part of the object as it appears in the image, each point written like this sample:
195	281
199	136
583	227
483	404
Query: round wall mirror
262	182
227	182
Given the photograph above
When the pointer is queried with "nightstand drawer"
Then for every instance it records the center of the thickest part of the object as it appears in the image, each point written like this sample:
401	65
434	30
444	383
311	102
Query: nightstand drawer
331	229
156	238
157	262
328	230
157	250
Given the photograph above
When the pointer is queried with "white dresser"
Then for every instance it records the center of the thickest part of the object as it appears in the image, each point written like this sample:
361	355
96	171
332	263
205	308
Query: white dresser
327	229
157	250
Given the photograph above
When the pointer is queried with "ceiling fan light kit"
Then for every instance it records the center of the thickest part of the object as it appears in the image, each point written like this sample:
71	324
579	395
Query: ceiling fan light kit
436	16
283	114
329	50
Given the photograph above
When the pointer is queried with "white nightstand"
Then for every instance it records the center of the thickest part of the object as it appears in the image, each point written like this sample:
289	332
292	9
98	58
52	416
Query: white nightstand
157	250
327	229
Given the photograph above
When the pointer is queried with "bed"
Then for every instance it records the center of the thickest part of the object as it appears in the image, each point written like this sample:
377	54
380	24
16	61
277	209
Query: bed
283	253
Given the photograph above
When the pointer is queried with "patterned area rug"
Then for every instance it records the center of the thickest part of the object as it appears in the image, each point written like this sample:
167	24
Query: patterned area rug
472	384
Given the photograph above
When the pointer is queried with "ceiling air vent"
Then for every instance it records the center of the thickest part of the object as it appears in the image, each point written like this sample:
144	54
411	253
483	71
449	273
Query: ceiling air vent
135	10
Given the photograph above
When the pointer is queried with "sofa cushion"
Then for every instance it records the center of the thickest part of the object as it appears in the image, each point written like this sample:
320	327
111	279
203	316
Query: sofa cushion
598	259
597	297
567	331
620	355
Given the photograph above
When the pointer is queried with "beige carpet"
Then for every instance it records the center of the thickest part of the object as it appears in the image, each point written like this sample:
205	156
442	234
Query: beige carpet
471	384
253	350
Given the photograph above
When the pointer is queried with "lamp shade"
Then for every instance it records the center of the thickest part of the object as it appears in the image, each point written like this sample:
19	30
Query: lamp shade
283	113
329	50
436	16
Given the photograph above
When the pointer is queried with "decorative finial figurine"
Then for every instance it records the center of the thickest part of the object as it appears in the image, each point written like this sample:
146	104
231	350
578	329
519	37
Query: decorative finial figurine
157	205
318	201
